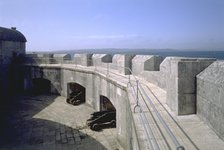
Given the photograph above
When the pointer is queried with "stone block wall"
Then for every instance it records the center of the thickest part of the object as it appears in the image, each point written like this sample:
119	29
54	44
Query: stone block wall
8	48
101	59
180	77
83	59
210	96
45	58
39	58
154	77
121	63
61	58
142	63
51	74
177	75
95	85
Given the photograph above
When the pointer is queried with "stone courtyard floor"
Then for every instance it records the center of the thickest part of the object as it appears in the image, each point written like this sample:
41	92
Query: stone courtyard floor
48	122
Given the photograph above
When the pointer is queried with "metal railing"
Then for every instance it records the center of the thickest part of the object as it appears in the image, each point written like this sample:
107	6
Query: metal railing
148	130
108	69
170	133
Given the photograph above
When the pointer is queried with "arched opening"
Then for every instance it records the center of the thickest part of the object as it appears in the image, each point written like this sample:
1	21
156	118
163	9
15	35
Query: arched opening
76	93
41	86
105	104
105	118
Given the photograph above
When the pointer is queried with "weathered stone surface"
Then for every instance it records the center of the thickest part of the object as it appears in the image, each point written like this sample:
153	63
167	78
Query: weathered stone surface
155	77
179	75
83	59
122	63
12	50
97	84
210	93
39	58
142	63
61	58
101	59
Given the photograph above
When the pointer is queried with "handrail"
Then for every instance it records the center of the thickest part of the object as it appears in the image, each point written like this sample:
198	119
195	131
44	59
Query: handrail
149	133
175	141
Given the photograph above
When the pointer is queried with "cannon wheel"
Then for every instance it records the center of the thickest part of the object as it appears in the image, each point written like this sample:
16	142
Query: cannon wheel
113	123
95	127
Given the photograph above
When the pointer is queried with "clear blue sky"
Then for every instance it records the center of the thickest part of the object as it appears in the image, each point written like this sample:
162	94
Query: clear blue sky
80	24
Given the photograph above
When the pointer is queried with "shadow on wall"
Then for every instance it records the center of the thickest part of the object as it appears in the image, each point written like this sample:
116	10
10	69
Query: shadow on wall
41	86
37	86
22	131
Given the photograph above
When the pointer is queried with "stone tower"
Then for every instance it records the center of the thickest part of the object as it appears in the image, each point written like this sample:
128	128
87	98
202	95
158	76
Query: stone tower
12	50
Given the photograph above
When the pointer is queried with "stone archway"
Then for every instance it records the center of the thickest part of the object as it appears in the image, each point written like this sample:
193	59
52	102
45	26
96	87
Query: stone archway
105	104
76	93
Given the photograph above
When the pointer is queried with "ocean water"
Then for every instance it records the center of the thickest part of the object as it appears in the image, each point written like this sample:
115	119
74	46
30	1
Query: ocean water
199	54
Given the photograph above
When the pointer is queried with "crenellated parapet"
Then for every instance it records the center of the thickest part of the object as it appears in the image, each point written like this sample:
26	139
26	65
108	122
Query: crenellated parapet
190	85
176	75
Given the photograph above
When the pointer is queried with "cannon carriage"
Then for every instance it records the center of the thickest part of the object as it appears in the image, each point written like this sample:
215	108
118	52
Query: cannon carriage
101	120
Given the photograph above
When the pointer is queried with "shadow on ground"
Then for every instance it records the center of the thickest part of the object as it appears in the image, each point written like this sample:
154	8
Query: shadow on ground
21	130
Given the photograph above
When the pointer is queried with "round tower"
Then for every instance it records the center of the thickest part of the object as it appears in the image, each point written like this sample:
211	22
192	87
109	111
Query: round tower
12	44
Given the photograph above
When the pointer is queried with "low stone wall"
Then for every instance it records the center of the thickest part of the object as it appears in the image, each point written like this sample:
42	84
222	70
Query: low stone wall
34	58
121	63
154	77
83	59
142	63
61	58
101	59
210	96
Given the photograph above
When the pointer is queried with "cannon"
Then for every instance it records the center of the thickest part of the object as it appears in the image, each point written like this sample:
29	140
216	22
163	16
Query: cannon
101	120
75	98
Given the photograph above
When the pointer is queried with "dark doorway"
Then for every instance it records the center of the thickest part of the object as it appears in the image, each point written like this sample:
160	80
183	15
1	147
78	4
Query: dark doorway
76	93
41	86
105	104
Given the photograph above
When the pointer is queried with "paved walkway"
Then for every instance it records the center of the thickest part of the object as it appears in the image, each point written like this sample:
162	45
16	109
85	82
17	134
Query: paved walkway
48	122
190	130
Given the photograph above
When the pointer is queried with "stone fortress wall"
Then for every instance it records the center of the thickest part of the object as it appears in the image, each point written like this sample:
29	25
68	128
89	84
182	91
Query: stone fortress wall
95	84
192	85
12	48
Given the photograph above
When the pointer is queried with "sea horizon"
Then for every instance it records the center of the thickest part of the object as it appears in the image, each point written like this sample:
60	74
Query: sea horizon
218	54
